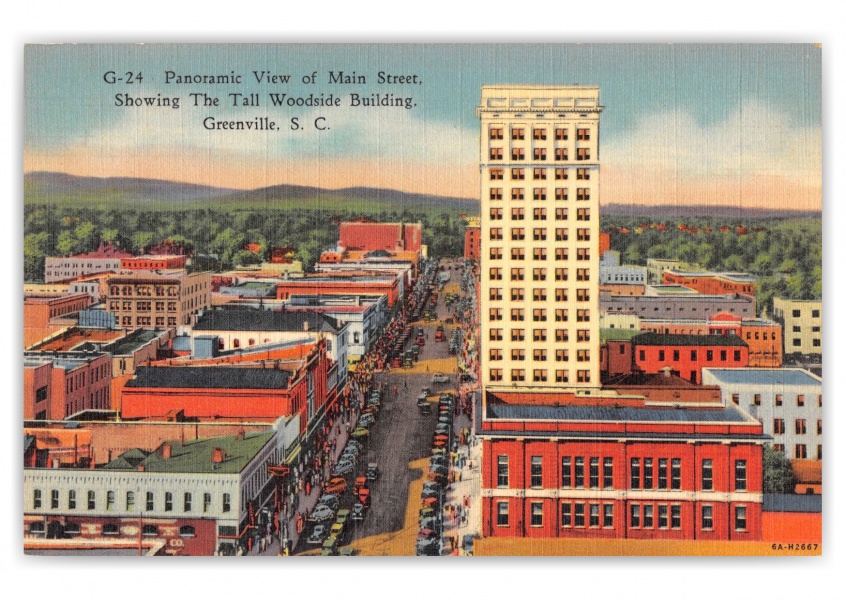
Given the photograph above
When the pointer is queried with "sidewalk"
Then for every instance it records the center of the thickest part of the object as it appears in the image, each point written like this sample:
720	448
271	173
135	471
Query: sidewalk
305	502
462	493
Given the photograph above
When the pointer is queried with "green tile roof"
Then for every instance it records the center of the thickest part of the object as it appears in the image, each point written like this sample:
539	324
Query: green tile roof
195	456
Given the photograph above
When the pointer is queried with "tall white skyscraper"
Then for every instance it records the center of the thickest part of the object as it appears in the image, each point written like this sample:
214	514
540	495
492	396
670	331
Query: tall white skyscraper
539	163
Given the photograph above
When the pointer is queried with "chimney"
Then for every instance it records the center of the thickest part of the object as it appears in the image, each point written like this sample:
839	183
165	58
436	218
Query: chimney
166	451
140	468
218	455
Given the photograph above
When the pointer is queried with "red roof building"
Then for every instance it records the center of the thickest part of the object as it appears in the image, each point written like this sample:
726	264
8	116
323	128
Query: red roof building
392	237
341	283
153	262
685	355
558	465
472	243
712	283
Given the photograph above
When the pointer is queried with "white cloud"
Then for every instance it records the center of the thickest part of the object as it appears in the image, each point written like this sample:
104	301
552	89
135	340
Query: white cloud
753	141
355	133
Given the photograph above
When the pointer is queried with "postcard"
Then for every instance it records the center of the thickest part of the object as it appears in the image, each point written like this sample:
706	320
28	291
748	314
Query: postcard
422	300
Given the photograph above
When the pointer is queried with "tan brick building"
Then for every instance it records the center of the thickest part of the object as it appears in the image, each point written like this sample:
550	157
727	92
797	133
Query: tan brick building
153	300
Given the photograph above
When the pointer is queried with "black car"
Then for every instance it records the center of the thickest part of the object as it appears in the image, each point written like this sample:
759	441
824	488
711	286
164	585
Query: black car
358	512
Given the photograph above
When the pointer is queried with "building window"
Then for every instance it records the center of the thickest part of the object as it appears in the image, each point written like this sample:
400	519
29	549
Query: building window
675	475
110	529
168	501
495	374
757	399
594	471
502	514
566	471
502	471
801	428
635	474
92	500
539	173
537	514
186	504
518	133
647	473
36	498
130	501
580	472
800	400
662	516
496	133
740	475
707	474
537	472
594	514
675	516
496	194
662	473
518	375
819	426
800	451
778	426
635	515
647	516
561	174
187	531
496	174
608	473
110	500
566	514
227	503
150	504
740	518
608	515
778	400
149	531
579	521
707	516
518	174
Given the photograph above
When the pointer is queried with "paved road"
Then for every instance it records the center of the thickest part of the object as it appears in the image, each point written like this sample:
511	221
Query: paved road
402	435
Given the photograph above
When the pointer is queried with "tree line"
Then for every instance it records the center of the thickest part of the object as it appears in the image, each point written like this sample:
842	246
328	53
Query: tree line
784	254
231	234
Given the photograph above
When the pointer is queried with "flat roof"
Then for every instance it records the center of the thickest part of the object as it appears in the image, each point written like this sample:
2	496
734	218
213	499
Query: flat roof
617	335
195	456
131	342
676	339
772	377
724	414
808	503
213	377
247	319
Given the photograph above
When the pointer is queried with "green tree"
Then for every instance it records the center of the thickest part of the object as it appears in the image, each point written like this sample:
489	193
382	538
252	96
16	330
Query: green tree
778	476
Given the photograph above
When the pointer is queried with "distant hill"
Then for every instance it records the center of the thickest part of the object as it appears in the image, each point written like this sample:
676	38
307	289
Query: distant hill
42	187
671	211
61	188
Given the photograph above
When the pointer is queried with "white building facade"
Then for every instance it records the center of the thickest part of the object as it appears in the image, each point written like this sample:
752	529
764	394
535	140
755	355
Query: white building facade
539	164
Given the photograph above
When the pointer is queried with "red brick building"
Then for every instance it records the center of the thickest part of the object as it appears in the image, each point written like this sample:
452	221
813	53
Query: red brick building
296	387
685	355
43	315
58	385
153	262
472	242
392	237
556	465
712	283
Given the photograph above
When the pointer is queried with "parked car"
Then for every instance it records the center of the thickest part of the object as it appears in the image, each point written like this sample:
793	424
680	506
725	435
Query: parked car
372	471
317	535
422	399
321	513
366	420
330	546
428	548
336	485
330	500
440	378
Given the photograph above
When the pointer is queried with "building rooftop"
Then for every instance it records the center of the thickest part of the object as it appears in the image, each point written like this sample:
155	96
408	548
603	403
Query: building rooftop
808	503
769	377
71	339
617	335
210	378
131	342
673	339
724	414
245	319
195	456
63	360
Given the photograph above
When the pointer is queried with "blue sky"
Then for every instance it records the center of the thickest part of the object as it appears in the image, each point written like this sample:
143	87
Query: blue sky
687	100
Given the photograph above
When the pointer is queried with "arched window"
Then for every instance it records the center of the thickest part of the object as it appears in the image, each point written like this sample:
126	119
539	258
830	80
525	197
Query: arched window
251	342
110	529
236	343
149	530
187	531
72	529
